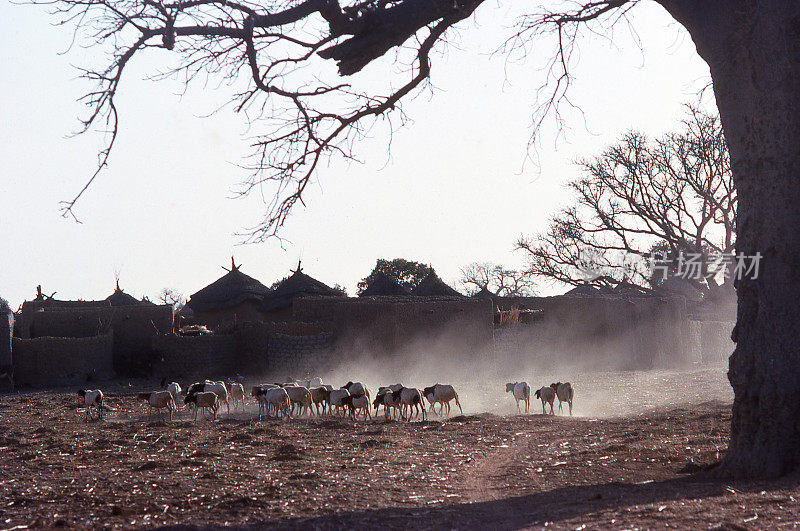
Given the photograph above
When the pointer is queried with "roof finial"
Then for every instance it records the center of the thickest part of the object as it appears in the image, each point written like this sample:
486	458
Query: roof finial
298	267
118	284
233	264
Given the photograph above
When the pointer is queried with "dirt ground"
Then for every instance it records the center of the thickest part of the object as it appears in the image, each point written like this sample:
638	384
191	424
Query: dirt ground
470	471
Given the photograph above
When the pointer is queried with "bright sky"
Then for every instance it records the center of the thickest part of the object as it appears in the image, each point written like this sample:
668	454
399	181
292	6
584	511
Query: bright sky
453	191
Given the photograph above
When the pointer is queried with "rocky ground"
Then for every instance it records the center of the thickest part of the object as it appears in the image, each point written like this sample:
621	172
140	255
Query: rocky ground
475	470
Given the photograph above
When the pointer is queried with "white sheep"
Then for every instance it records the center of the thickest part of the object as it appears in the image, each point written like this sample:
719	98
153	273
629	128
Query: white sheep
356	389
174	389
279	400
203	400
92	398
546	395
335	398
158	400
313	382
565	393
521	391
300	397
237	394
411	399
441	394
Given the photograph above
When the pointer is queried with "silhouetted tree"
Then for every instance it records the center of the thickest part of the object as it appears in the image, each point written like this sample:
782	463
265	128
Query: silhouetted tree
751	46
407	273
669	195
495	279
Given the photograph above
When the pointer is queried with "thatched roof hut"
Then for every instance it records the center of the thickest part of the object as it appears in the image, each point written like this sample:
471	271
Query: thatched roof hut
486	294
120	298
297	285
384	286
584	290
228	291
433	286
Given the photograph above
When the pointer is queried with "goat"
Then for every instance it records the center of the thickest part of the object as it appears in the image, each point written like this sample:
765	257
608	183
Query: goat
174	389
564	392
391	402
92	397
356	389
209	386
521	391
203	400
237	394
409	398
354	403
319	396
313	382
441	394
546	395
158	400
335	398
300	397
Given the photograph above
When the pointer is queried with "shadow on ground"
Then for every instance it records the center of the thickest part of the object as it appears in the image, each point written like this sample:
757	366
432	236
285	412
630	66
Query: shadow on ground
525	511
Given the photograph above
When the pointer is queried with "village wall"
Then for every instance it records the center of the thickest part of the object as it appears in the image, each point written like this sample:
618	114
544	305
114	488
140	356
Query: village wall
134	329
194	356
229	319
6	333
79	322
256	348
60	361
612	332
380	326
298	356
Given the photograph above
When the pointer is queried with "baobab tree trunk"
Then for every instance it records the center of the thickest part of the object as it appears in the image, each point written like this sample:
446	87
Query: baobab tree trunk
753	50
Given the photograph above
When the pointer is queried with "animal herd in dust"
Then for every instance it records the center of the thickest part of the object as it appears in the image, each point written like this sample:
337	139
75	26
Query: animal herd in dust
313	397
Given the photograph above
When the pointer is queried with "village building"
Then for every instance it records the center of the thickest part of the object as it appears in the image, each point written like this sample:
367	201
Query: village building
384	286
277	304
228	301
433	286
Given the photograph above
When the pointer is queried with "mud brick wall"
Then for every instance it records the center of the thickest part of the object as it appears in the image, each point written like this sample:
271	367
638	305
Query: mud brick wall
79	322
298	356
196	356
380	326
134	329
61	361
611	332
6	333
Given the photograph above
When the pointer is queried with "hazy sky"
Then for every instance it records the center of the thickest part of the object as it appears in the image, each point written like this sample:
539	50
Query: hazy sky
452	191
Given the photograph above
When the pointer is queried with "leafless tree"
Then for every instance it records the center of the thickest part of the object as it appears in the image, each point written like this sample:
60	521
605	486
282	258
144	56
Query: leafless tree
495	279
674	194
751	47
170	296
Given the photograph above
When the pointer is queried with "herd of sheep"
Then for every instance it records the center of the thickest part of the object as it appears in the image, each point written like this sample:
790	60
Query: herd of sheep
313	397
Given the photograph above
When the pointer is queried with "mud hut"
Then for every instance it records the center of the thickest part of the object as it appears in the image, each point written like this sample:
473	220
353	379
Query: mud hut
231	299
120	298
277	305
584	290
384	286
433	286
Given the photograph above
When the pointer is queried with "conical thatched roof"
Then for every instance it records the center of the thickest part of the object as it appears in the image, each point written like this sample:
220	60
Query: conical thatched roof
433	286
485	294
297	285
384	285
228	291
583	289
120	298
